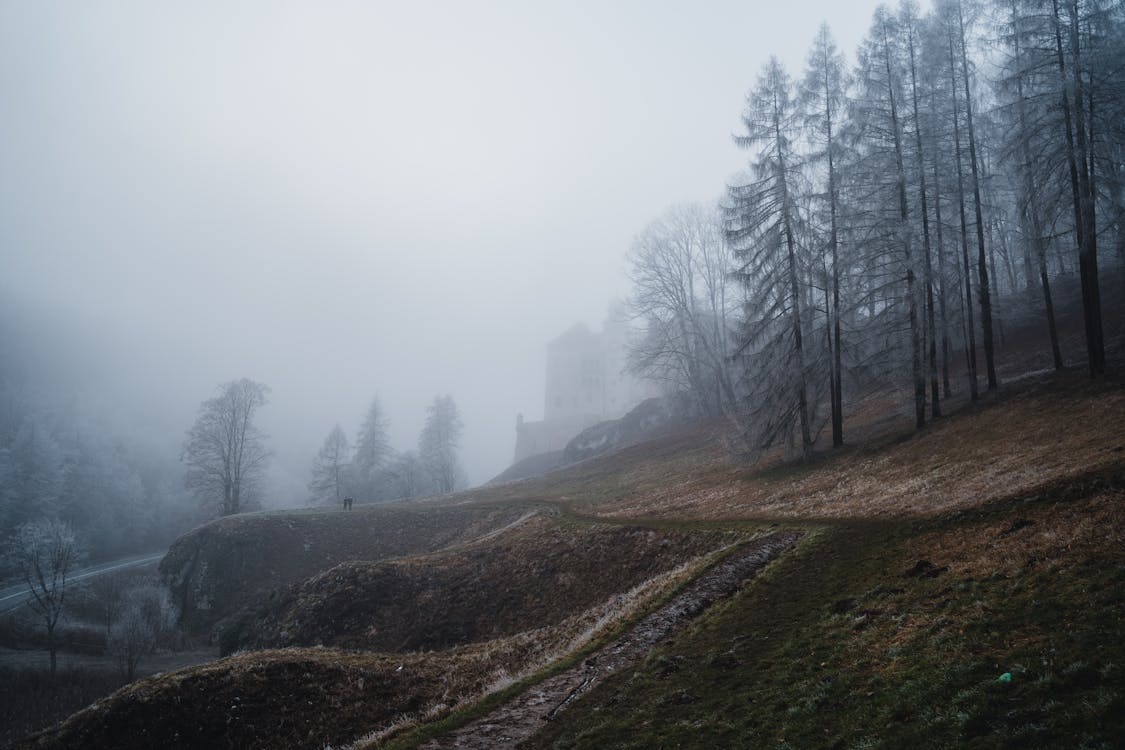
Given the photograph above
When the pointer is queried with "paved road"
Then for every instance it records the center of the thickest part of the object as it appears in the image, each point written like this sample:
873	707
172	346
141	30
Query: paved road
12	597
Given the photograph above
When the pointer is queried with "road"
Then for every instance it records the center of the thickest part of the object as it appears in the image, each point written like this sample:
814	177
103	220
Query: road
12	597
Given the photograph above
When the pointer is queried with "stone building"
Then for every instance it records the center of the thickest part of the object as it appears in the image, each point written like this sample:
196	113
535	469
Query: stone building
586	383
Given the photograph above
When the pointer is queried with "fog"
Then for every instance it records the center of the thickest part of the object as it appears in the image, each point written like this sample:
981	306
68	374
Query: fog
343	200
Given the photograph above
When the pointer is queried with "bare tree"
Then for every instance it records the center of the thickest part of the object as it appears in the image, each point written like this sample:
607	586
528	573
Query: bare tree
147	616
1018	82
437	445
679	268
822	96
46	553
225	451
331	468
372	454
889	248
408	478
984	292
107	592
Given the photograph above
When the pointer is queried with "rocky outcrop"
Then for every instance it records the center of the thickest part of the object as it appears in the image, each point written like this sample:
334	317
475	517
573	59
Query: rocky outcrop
649	419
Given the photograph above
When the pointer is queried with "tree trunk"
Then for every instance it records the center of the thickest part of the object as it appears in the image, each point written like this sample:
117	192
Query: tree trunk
795	291
942	307
1083	215
903	228
935	398
985	295
53	647
970	327
837	380
1031	207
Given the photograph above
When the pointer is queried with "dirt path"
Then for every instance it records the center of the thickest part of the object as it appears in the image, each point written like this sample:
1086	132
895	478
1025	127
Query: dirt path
519	719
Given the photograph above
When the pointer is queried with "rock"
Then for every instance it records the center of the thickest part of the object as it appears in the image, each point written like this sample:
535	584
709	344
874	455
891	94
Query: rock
925	569
644	422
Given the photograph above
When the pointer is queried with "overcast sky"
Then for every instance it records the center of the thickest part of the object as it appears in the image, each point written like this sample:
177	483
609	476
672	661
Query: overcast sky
344	199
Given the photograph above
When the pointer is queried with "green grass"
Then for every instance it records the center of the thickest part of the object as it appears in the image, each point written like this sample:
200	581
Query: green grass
834	647
415	737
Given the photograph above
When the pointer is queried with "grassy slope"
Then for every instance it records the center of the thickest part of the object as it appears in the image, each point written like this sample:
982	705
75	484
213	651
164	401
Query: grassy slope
835	646
532	576
220	566
1017	510
838	647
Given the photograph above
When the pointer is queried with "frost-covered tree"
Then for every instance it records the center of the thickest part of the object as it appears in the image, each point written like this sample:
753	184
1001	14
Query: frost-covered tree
438	443
678	267
953	15
225	452
763	225
1022	99
145	617
331	470
407	478
32	471
46	552
373	453
822	101
881	207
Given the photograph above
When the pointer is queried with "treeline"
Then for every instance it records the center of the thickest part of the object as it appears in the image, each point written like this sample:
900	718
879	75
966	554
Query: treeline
227	456
63	464
895	212
373	471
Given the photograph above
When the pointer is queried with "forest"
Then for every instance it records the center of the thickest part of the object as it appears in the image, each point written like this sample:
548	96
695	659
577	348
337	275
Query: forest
898	218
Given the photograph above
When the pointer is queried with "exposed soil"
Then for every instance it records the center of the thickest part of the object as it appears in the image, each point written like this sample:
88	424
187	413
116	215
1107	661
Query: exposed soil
523	717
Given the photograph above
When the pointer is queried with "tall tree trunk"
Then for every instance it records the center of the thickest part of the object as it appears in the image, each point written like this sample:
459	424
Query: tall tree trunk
53	647
834	241
1088	254
795	291
985	295
1031	201
1083	215
970	327
904	237
942	306
935	398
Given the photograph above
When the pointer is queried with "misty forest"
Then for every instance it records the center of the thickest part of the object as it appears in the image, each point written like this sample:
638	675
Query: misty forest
843	468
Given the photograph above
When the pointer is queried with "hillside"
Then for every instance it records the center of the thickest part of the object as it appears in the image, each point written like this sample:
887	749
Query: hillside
964	585
217	568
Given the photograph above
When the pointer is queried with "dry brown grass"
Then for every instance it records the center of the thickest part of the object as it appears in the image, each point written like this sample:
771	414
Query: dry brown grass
507	661
517	575
317	697
1054	537
1038	437
1055	541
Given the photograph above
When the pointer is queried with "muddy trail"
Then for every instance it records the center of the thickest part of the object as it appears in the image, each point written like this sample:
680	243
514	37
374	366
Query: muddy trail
522	717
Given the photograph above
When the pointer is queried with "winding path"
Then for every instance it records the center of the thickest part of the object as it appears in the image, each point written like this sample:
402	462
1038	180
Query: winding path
521	717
